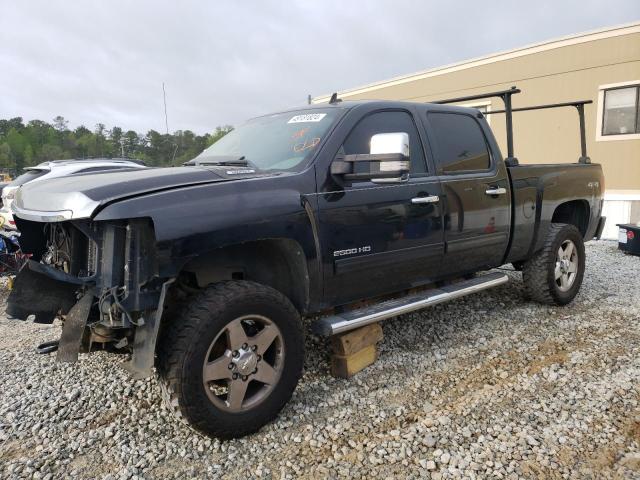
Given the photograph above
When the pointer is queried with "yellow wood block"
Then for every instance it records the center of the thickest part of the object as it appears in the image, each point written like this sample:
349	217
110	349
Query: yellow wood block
346	366
352	342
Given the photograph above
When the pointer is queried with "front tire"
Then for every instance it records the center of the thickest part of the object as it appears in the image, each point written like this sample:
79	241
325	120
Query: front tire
231	360
554	274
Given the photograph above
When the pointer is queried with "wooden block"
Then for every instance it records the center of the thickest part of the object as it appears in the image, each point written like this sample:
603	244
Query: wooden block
352	342
355	350
346	366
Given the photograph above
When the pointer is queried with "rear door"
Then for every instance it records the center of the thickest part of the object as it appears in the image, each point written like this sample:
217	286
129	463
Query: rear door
476	196
380	238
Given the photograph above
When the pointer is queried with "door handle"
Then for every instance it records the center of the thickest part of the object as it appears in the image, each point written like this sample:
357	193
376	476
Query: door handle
429	199
496	191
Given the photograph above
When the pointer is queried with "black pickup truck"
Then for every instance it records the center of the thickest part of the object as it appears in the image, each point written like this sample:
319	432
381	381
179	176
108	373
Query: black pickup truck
205	271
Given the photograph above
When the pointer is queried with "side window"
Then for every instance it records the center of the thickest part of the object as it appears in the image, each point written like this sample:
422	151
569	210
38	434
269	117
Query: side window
386	122
459	142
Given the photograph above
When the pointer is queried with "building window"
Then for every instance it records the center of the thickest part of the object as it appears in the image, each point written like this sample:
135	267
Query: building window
619	112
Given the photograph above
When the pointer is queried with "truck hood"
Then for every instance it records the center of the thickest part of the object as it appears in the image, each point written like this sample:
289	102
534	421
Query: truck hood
79	196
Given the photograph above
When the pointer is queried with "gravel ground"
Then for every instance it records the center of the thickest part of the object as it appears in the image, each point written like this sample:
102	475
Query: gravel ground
488	385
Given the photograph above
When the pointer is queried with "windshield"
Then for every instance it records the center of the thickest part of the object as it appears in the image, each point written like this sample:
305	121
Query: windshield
283	141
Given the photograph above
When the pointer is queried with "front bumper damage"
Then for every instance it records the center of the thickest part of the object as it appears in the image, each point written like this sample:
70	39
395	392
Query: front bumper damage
42	291
118	306
46	293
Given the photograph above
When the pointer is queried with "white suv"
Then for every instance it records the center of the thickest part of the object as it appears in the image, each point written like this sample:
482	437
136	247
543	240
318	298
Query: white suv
54	169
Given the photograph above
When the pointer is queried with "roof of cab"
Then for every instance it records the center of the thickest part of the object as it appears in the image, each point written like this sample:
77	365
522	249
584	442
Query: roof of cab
349	104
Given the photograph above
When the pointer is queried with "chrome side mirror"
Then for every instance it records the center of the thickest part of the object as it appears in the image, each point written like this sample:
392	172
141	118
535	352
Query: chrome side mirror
392	144
386	162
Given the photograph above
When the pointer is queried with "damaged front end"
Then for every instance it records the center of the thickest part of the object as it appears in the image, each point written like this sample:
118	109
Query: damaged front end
100	278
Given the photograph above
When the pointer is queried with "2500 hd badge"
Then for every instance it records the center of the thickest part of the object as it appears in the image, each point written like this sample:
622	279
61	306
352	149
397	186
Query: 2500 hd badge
352	251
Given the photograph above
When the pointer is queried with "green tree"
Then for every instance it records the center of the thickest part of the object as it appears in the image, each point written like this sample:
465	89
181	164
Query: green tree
87	145
28	156
60	124
101	139
218	134
37	133
6	125
26	144
116	145
6	163
51	152
17	145
131	141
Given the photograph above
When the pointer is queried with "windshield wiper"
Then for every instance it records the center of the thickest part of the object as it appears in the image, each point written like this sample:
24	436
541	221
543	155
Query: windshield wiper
226	160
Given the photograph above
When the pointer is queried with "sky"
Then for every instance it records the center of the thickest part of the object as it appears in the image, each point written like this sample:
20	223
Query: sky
223	62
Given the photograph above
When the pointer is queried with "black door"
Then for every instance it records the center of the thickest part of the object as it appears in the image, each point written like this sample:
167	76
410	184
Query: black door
379	238
476	195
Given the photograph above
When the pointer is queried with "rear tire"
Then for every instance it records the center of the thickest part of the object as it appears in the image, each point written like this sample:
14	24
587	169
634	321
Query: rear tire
220	388
554	274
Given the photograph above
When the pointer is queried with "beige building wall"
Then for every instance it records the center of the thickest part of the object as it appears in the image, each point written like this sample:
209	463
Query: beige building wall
573	68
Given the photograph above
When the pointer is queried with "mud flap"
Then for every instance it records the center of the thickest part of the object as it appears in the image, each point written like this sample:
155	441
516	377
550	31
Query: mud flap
74	325
600	228
144	342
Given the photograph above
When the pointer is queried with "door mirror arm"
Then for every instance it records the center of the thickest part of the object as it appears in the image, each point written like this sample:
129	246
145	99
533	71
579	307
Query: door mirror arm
371	166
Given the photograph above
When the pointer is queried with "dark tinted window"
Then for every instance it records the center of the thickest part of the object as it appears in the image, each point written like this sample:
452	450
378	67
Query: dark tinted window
459	143
27	177
386	122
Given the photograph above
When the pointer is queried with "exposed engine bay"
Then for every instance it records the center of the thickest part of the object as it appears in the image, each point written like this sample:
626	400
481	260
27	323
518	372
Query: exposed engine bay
99	278
69	250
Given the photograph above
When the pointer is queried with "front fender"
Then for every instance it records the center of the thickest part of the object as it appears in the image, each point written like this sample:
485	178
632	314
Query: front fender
193	221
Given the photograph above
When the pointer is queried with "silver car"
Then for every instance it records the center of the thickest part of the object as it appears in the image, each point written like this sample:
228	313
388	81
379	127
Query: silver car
54	169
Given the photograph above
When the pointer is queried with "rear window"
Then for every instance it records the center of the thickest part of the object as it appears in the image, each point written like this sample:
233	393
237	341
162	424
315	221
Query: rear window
27	177
460	143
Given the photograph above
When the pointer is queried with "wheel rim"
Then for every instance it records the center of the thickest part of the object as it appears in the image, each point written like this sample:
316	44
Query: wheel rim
567	264
244	363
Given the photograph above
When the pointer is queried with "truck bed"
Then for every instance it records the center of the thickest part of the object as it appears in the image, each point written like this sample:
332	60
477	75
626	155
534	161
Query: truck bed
538	189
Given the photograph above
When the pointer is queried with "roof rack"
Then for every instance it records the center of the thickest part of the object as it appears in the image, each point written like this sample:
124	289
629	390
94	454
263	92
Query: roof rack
505	95
579	105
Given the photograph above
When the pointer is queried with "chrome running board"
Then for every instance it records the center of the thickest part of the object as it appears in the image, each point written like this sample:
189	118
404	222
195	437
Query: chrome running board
352	319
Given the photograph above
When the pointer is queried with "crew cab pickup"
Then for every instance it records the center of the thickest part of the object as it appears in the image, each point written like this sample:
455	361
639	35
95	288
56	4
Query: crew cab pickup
205	271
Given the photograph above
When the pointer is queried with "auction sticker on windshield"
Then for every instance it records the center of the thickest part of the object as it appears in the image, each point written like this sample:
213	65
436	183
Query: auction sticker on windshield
309	117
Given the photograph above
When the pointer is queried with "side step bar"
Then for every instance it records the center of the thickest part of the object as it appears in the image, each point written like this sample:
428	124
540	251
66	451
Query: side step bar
352	319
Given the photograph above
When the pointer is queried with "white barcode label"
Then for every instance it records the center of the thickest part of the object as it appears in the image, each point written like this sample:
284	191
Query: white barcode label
309	117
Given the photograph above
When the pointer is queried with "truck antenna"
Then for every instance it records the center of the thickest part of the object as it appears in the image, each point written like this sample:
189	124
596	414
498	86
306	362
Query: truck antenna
334	98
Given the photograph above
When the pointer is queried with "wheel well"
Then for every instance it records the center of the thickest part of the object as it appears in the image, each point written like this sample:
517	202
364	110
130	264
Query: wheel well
575	212
277	263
